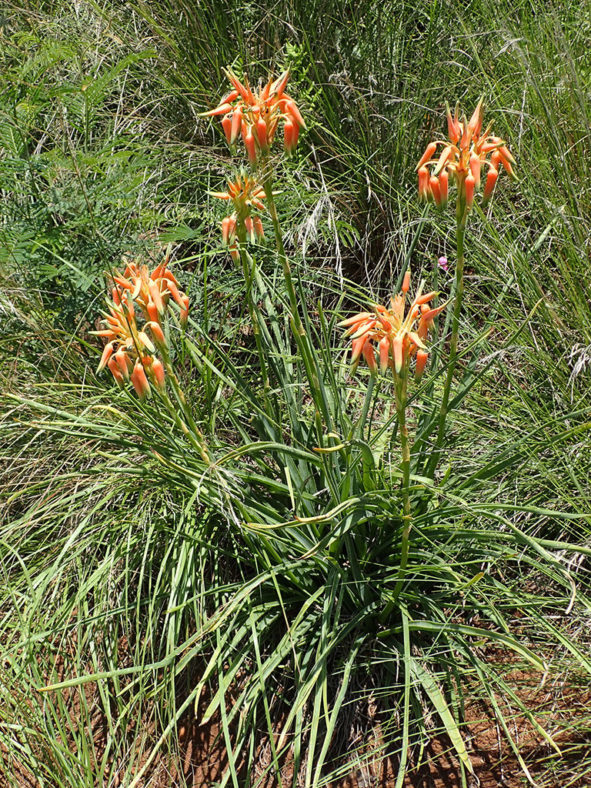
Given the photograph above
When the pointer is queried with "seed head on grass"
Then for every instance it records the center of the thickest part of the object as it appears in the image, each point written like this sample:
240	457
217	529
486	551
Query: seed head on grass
465	153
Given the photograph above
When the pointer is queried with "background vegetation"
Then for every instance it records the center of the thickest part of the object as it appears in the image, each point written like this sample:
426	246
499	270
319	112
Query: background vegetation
114	563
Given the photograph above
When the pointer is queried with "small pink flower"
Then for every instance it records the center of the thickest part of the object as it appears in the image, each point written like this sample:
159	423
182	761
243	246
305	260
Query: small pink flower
442	263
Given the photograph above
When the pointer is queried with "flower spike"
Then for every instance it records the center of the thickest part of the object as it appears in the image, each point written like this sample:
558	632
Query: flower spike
465	152
257	114
398	336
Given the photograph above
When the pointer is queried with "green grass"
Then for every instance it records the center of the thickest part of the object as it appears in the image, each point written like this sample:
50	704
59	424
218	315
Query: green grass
132	572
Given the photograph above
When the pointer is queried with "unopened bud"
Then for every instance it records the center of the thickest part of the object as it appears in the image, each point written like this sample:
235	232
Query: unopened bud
423	183
421	363
292	109
250	146
227	127
248	224
157	333
185	311
122	360
406	282
491	180
435	190
290	135
475	165
158	371
384	348
115	371
370	356
262	134
140	381
236	125
258	227
107	353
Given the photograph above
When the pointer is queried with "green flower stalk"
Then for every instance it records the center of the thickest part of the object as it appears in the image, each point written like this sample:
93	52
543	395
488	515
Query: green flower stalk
397	335
464	155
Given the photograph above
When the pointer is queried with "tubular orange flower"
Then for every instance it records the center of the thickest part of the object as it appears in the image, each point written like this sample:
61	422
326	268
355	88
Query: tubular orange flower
257	114
398	335
463	155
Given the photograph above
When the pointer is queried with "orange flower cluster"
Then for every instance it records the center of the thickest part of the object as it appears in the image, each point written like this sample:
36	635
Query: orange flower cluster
464	154
129	352
245	194
255	115
394	332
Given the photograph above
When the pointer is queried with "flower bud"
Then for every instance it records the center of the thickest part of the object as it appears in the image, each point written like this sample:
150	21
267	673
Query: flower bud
475	165
152	312
140	381
227	226
107	353
423	183
475	124
122	360
248	224
406	281
262	134
491	180
227	127
156	296
185	311
116	372
369	356
258	227
290	135
157	333
236	125
158	371
453	127
435	190
421	362
507	160
250	146
292	110
398	353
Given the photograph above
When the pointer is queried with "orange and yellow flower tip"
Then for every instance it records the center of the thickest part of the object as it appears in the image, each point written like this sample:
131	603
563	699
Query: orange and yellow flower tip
464	153
395	335
257	114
